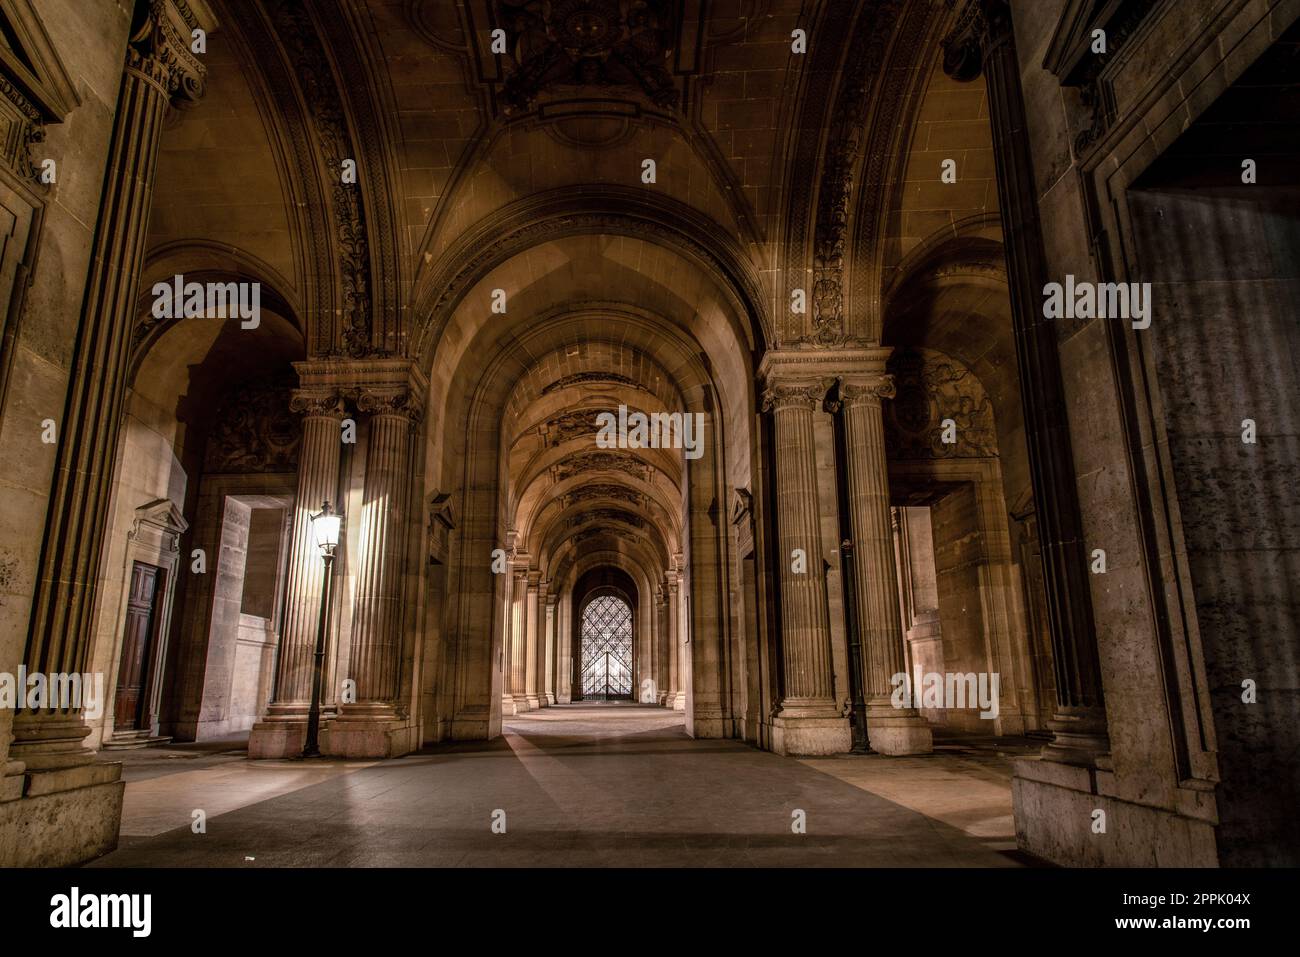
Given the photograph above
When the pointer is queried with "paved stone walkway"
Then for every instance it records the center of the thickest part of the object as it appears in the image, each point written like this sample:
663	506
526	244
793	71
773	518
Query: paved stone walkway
588	785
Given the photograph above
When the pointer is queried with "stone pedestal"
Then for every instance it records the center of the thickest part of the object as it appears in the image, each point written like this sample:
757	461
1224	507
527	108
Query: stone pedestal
809	720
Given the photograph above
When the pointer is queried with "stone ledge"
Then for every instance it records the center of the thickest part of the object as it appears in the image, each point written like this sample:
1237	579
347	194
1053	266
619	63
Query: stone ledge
62	828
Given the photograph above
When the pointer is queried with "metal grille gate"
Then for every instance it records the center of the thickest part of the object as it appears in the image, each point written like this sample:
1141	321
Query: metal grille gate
606	649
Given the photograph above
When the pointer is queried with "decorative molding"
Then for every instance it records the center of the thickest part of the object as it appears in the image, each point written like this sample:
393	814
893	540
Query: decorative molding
600	461
852	108
311	66
162	521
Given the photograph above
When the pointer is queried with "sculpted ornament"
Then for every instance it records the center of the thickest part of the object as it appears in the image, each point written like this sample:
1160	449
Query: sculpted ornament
782	395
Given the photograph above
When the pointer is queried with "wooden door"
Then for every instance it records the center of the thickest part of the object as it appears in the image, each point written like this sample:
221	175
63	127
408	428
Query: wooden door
137	642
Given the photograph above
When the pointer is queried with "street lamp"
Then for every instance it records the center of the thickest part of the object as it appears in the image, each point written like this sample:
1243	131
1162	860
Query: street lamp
325	528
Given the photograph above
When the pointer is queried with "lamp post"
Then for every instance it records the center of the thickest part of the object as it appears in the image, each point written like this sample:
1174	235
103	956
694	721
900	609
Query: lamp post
325	527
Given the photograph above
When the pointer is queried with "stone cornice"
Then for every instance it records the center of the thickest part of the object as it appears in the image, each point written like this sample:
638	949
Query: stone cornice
395	386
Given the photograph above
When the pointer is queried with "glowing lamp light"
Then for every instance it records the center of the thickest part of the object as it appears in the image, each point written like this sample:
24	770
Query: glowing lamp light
325	526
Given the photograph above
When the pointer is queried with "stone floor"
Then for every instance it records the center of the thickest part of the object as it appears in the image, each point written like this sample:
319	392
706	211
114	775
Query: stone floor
588	785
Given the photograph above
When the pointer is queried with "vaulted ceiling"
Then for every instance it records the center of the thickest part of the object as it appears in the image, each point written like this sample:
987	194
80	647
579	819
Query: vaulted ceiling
789	139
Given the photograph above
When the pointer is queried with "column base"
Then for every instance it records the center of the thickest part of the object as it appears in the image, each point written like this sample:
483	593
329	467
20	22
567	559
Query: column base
369	733
534	702
522	705
898	732
824	731
550	700
63	817
679	701
663	699
1079	737
508	708
277	738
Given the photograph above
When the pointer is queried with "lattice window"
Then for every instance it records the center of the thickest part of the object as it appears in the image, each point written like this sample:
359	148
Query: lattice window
607	649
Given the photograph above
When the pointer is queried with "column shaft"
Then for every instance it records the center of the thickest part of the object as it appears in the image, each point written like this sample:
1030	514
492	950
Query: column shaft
809	719
889	730
60	629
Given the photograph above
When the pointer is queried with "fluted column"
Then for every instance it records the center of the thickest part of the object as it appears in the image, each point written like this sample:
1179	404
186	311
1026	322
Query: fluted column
364	728
889	730
519	636
281	733
665	648
674	629
158	68
508	631
680	647
532	643
809	719
549	670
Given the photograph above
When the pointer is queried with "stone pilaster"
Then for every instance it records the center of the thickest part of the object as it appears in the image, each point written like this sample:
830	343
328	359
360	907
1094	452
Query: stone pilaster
681	650
983	41
282	732
889	730
48	743
809	719
377	723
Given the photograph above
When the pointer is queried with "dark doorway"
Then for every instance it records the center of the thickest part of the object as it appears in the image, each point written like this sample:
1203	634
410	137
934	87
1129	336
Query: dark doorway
137	644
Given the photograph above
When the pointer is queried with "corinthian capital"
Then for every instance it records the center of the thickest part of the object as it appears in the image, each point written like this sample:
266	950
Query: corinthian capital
386	402
807	393
317	404
162	46
867	388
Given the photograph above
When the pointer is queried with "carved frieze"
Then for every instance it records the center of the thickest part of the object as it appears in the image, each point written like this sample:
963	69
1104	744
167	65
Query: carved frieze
311	65
573	425
937	398
599	461
254	430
